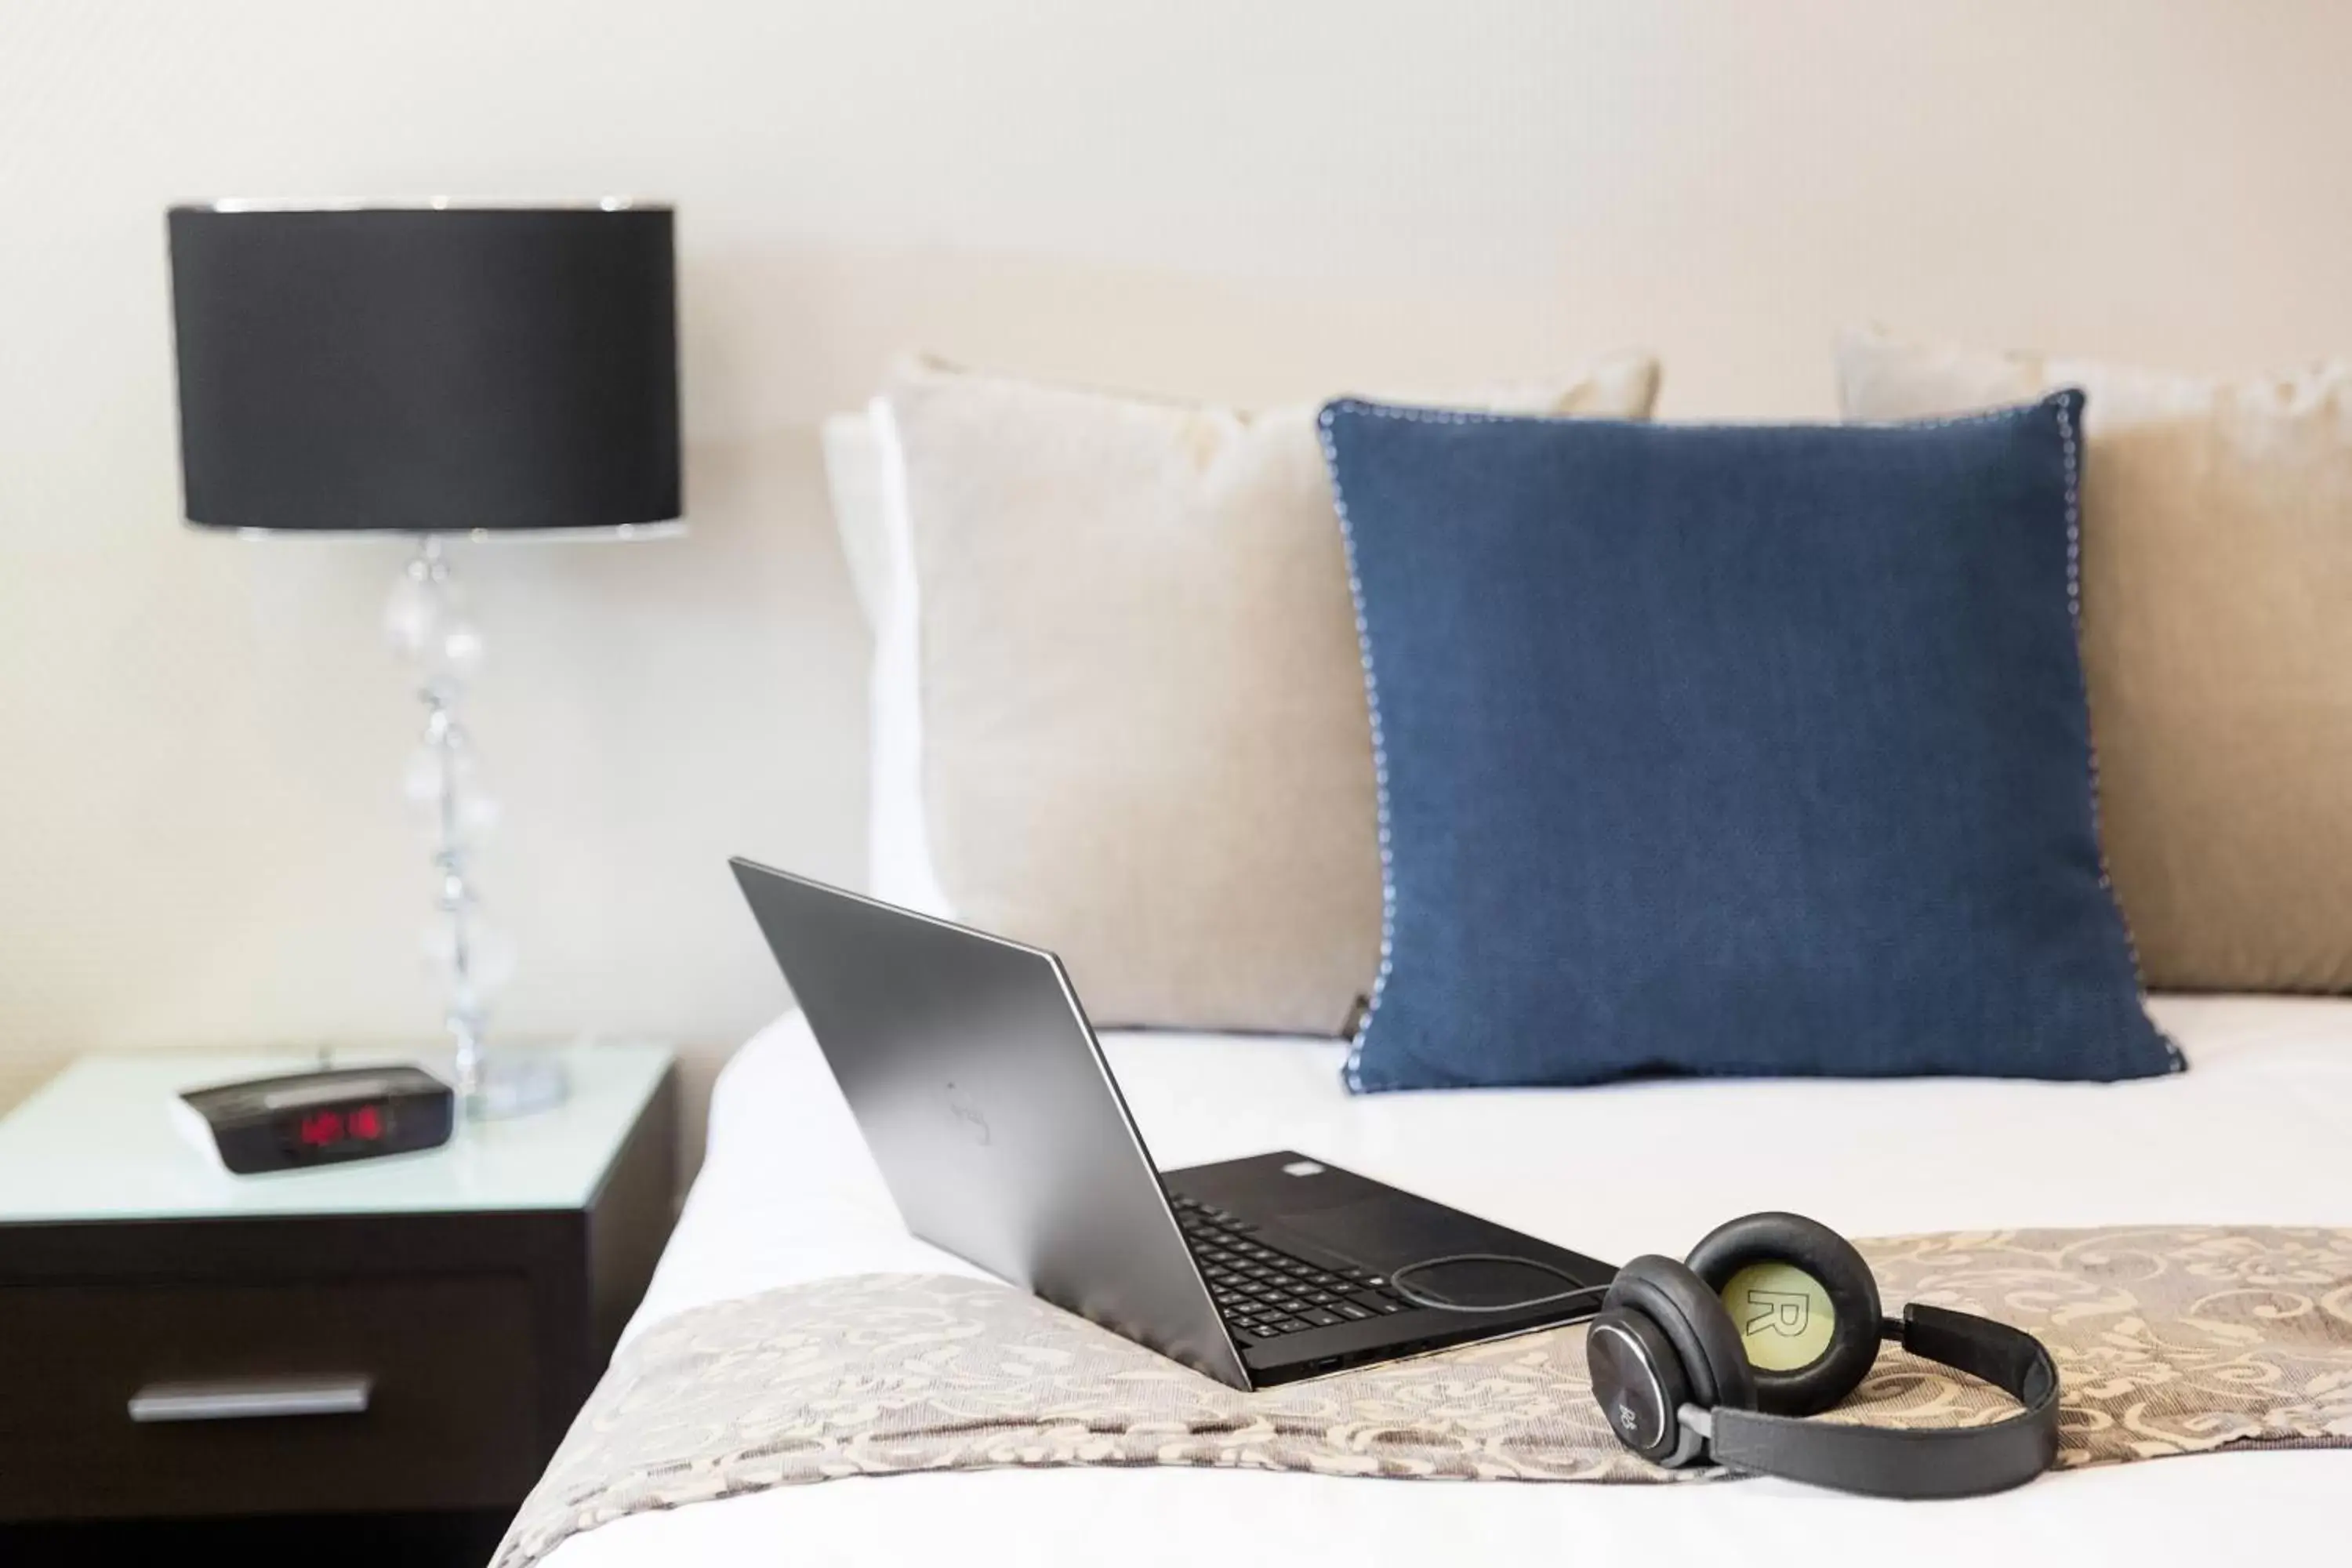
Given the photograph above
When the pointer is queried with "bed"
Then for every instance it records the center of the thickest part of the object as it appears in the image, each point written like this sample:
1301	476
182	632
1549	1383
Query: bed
2258	1130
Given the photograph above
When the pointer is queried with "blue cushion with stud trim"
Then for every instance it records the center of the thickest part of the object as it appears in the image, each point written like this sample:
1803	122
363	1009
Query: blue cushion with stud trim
1731	749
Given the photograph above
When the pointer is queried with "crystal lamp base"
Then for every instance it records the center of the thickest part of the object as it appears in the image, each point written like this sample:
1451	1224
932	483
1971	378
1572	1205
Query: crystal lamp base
511	1085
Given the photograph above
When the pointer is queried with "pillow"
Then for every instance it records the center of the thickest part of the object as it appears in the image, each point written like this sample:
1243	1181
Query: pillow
2216	640
1143	738
1731	750
869	512
853	481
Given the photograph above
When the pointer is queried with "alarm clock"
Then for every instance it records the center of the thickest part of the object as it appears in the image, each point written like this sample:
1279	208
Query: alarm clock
322	1118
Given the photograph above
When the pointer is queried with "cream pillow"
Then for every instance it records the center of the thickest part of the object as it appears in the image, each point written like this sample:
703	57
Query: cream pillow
2217	643
1144	741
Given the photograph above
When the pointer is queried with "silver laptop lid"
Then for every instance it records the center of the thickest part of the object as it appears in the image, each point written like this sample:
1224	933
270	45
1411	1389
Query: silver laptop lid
984	1097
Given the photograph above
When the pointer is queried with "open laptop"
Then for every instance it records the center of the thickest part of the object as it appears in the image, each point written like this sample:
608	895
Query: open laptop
986	1101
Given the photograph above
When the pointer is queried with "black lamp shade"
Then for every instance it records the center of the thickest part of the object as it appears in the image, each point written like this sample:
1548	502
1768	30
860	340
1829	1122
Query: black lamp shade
427	369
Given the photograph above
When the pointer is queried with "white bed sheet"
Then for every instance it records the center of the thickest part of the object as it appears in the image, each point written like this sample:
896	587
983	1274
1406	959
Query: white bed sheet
2258	1130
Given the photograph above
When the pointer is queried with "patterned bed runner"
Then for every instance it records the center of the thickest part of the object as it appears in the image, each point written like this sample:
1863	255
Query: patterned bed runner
2169	1340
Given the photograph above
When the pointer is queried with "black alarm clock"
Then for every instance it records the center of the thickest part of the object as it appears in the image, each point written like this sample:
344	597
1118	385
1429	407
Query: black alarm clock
319	1118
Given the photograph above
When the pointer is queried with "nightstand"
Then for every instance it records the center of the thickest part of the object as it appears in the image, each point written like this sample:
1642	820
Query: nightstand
403	1336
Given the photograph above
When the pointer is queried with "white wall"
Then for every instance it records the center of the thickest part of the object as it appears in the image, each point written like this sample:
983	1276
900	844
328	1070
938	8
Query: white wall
200	838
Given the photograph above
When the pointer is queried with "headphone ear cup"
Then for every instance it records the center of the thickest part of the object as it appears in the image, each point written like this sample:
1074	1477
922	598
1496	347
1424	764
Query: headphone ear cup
1693	1319
1637	1379
1802	1303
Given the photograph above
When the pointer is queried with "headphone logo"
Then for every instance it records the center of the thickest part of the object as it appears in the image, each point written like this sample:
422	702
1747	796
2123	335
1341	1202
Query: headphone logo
1627	1417
1784	1312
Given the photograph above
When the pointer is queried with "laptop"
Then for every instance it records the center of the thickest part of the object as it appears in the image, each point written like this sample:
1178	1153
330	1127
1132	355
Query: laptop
978	1083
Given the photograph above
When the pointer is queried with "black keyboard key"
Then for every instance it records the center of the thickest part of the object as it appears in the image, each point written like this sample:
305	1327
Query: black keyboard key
1266	1293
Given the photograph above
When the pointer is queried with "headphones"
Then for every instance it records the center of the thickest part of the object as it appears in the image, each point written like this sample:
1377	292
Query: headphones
1774	1318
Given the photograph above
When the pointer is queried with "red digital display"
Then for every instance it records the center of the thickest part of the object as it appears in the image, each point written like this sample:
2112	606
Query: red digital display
324	1129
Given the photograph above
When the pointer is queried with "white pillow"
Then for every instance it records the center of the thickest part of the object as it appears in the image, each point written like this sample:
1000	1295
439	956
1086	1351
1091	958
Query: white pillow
854	479
867	484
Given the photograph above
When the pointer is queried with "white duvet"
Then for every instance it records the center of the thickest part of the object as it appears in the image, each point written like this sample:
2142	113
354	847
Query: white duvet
2258	1130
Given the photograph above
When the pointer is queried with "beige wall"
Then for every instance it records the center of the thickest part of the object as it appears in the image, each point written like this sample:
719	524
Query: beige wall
200	841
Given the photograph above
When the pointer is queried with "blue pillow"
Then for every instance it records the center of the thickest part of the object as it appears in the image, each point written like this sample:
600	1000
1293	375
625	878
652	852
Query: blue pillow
1731	750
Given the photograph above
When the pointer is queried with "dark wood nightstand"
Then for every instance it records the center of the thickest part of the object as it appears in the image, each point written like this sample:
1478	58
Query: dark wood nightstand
404	1337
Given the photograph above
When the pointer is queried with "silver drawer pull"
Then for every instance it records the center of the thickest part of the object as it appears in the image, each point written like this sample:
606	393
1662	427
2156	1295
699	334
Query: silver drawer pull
251	1399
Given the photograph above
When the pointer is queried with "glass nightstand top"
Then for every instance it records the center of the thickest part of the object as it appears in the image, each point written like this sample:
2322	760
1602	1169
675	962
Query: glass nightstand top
100	1141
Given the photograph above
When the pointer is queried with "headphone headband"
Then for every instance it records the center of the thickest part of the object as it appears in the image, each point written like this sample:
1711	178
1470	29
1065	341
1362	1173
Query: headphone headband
1950	1462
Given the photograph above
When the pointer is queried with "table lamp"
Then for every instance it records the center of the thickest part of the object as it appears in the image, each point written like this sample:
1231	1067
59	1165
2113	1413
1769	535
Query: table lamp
440	371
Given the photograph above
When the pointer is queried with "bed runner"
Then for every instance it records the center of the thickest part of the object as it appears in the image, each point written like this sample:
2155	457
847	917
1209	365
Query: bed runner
2169	1340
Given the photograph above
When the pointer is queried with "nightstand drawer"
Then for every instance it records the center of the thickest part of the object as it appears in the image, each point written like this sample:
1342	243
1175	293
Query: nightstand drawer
398	1393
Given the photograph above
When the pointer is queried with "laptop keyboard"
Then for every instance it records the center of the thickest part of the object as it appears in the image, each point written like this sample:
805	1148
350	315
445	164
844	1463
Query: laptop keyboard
1263	1292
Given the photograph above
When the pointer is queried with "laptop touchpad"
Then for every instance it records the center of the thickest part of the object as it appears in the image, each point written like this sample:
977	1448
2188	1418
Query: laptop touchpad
1394	1230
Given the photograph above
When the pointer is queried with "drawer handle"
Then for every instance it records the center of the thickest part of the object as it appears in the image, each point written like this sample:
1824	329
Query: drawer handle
251	1399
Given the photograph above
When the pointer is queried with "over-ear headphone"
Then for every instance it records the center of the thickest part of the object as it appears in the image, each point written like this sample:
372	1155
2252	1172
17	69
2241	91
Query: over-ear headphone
1774	1318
